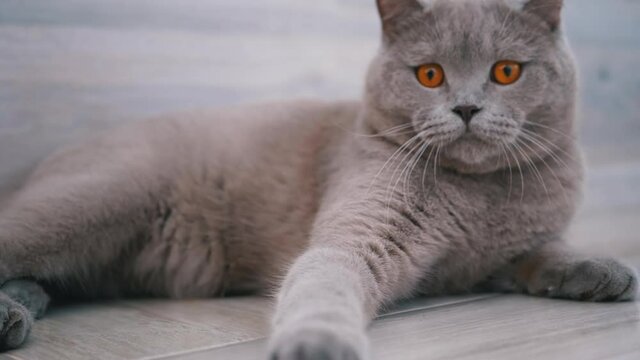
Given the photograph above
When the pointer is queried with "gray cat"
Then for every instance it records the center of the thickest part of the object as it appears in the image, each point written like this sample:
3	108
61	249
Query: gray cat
458	171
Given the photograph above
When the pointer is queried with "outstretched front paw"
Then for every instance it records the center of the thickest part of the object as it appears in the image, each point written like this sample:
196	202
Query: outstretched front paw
314	344
587	280
15	323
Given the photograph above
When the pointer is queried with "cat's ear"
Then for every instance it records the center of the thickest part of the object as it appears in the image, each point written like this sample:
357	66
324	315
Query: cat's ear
548	10
392	11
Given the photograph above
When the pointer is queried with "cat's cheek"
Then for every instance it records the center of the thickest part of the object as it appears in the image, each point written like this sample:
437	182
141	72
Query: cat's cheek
532	88
523	96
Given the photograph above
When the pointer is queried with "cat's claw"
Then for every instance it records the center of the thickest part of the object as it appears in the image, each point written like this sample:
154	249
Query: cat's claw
314	345
587	280
15	323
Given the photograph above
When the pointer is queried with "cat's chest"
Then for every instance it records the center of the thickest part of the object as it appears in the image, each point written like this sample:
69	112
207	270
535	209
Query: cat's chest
485	216
479	227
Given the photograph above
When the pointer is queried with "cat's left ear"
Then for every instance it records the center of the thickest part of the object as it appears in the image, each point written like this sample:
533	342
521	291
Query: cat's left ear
392	12
548	10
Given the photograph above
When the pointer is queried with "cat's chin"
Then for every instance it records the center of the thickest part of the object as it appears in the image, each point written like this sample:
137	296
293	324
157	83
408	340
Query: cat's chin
470	155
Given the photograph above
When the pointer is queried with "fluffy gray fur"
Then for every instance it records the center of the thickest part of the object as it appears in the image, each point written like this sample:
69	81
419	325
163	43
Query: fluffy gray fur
345	207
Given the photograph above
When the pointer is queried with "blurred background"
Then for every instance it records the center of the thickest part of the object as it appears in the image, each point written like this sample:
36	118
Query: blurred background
69	68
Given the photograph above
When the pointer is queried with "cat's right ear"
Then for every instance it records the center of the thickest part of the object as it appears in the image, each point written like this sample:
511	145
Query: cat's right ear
393	11
547	10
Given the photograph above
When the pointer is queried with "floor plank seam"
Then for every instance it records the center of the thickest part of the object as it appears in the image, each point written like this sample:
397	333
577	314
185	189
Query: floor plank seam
14	357
439	306
202	349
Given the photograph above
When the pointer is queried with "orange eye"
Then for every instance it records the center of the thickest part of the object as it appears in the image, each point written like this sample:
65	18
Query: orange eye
430	75
506	72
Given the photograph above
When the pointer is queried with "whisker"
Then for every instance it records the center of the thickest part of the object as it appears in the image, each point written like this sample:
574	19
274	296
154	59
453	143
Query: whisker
504	24
532	166
515	158
416	160
395	130
393	176
545	149
568	137
539	138
385	135
435	166
553	173
506	156
426	166
392	158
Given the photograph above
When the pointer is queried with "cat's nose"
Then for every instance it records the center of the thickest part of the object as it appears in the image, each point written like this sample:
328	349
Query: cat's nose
466	112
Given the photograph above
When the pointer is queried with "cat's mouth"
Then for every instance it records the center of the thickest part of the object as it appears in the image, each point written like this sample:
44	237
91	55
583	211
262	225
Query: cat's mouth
471	149
467	135
468	145
471	143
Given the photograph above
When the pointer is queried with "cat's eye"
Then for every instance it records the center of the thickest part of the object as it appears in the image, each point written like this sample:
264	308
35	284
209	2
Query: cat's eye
506	72
430	75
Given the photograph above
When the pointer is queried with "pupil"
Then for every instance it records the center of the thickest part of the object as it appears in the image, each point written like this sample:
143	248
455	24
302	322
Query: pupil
431	74
507	71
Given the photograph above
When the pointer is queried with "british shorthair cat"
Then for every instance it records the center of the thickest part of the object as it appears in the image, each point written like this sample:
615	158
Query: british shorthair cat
458	170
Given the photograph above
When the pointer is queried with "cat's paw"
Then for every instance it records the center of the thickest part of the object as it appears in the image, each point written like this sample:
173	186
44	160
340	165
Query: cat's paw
587	280
315	345
15	323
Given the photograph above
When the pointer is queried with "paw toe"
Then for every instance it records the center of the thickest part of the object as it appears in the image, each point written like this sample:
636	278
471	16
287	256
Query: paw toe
15	324
629	290
314	345
601	281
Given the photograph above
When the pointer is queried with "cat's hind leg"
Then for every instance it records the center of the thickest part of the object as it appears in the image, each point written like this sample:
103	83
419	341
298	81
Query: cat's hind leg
62	230
69	228
79	213
21	302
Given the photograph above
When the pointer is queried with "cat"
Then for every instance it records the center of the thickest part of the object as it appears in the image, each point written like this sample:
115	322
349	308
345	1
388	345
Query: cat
457	171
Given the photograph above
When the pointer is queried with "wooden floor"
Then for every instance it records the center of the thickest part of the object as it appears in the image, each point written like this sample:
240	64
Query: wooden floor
69	68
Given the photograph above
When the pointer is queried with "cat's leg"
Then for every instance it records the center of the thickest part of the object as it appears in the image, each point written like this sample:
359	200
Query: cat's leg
324	307
355	265
64	229
21	301
555	271
69	227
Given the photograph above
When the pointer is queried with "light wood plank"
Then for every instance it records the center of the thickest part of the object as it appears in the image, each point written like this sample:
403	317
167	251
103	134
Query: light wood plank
251	350
239	319
505	327
140	329
156	328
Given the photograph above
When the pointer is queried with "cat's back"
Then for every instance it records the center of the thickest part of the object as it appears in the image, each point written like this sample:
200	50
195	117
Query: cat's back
242	133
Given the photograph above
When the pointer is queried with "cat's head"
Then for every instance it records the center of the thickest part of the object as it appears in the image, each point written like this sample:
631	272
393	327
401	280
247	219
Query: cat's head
482	80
